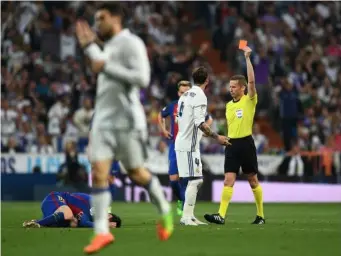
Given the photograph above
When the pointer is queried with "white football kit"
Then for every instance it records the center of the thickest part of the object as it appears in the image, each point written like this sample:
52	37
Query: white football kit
192	107
119	127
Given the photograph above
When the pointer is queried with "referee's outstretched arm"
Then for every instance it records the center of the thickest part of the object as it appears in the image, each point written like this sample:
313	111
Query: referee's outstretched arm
251	85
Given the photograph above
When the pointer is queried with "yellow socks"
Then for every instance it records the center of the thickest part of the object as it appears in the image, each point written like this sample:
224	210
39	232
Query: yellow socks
258	194
225	200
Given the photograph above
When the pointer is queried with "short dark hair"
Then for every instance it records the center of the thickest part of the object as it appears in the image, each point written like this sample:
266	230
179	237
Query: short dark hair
184	83
115	8
240	78
200	75
115	218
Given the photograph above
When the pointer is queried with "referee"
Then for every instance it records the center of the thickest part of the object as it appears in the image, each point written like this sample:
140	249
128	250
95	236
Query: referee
242	153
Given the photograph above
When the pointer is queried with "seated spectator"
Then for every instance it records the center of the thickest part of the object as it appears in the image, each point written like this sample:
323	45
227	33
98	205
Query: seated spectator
12	147
42	146
261	142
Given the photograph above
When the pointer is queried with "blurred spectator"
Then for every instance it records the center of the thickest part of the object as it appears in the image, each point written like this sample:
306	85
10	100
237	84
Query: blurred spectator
261	142
9	119
162	147
12	147
68	44
289	113
71	172
83	116
56	114
296	166
42	146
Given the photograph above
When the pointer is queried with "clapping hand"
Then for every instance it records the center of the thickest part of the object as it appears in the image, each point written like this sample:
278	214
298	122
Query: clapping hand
84	33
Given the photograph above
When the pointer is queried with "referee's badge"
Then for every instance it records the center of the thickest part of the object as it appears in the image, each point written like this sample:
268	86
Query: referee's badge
239	113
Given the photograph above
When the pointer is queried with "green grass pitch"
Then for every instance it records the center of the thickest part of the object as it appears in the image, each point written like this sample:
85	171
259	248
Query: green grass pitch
291	229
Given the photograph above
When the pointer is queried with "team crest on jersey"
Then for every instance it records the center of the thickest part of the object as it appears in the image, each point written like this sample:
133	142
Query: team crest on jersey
239	113
61	199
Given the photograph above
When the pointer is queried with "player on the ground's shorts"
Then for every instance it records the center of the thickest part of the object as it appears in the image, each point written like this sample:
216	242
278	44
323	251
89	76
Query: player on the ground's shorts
192	108
63	209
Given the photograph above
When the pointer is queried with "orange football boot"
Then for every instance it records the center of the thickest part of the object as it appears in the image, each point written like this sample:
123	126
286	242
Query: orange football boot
99	242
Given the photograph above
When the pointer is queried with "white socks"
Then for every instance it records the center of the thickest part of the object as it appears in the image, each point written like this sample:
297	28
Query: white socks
192	189
101	200
157	196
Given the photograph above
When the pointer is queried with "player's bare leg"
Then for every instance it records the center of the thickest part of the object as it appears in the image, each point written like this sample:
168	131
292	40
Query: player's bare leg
258	194
144	178
226	196
101	200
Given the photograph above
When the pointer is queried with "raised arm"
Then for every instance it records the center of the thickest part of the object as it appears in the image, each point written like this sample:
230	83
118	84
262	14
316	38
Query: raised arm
251	86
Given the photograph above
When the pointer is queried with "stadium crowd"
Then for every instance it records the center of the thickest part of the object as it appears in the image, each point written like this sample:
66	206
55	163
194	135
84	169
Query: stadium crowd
48	93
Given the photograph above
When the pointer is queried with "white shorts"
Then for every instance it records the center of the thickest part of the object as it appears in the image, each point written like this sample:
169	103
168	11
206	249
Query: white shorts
189	164
129	147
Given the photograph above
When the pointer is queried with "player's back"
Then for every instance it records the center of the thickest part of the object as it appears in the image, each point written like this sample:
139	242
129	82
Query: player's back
118	103
78	202
189	135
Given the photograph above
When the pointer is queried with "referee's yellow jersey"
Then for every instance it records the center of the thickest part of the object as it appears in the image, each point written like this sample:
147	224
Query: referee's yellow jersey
239	116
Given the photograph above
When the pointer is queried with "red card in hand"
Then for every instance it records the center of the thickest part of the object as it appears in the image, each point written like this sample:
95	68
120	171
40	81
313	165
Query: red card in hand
242	44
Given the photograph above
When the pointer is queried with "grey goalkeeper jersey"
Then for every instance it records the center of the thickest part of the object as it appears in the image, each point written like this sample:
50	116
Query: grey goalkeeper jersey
126	70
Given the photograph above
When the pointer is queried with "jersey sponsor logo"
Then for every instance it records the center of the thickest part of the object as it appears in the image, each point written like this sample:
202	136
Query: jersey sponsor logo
192	94
239	113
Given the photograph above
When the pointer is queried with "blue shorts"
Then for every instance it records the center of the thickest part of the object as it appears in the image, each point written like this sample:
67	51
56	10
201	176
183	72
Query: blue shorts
51	203
173	164
115	168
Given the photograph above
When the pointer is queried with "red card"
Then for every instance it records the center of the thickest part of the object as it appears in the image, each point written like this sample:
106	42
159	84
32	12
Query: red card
242	44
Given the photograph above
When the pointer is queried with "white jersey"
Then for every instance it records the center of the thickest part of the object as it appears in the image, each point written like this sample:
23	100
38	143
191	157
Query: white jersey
126	70
192	108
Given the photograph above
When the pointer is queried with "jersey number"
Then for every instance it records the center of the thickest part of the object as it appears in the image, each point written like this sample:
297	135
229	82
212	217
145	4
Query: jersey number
181	109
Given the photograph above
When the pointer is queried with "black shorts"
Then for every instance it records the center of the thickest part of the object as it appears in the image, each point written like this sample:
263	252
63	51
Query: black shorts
242	153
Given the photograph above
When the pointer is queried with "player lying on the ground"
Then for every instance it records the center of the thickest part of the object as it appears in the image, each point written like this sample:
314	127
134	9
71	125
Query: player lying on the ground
63	209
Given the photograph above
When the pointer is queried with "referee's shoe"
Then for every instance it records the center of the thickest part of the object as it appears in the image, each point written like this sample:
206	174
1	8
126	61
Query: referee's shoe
259	220
214	218
217	219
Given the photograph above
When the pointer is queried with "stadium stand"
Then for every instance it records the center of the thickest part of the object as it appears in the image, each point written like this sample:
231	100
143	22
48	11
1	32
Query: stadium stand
48	92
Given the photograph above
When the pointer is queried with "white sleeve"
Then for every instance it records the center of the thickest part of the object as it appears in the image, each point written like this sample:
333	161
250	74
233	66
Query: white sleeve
199	113
95	53
199	109
138	72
